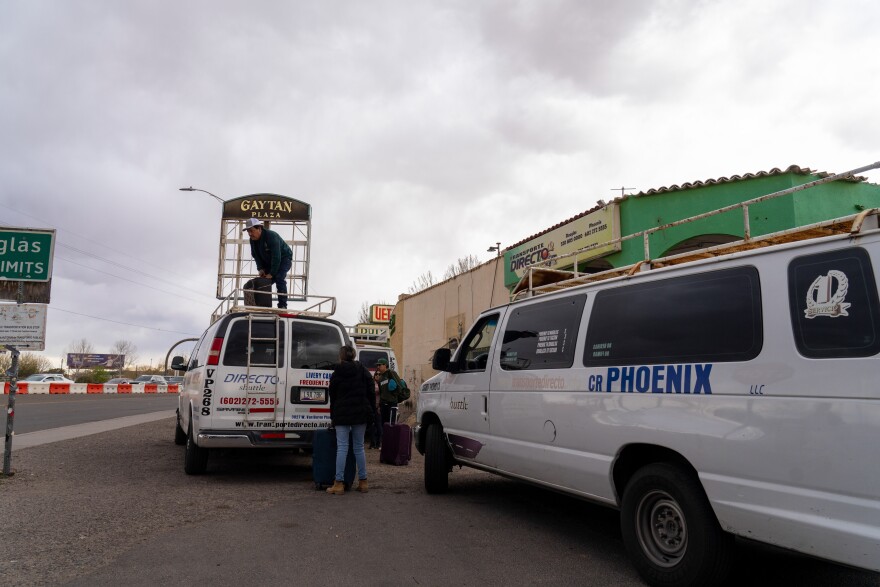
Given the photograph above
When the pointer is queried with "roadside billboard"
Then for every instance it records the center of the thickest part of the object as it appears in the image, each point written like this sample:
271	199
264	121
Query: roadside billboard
88	361
595	228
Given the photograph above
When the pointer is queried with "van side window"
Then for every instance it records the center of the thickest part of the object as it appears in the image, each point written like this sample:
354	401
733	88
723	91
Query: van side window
474	353
542	335
834	305
199	354
314	345
707	317
262	351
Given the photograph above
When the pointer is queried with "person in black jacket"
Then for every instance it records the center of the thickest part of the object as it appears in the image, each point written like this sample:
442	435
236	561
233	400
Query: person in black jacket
273	256
352	404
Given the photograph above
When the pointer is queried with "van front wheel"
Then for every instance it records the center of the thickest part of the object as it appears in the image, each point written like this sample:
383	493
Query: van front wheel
436	463
670	530
196	459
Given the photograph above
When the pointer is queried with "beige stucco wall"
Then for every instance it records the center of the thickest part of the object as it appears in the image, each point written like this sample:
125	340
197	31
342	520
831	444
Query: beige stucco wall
428	320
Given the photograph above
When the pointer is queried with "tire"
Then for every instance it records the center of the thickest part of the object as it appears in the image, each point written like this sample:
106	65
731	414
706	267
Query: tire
436	460
670	530
196	459
179	434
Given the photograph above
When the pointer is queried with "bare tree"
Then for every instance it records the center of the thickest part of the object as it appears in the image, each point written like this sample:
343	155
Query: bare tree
127	348
82	346
364	314
424	281
28	364
463	265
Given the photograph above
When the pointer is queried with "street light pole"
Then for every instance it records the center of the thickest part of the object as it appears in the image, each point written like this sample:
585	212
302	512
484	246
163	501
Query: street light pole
192	189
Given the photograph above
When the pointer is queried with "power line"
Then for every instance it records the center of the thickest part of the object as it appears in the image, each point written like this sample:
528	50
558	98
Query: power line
118	322
85	238
134	282
120	265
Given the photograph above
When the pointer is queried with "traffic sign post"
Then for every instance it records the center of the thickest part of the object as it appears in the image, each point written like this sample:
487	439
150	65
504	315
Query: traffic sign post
25	256
10	411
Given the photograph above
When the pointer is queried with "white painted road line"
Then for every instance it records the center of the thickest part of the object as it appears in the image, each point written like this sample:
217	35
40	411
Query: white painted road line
30	439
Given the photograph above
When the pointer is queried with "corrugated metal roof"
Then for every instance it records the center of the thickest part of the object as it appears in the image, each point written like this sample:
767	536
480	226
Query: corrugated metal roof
796	169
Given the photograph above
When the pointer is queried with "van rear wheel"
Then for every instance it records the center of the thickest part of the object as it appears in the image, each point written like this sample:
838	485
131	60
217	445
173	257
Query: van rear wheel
670	530
436	460
196	459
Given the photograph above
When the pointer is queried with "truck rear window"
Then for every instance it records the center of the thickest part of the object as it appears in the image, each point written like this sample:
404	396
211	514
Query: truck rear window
314	345
264	351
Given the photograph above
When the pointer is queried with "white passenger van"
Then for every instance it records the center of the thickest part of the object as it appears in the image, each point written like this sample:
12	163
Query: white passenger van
369	355
257	378
735	395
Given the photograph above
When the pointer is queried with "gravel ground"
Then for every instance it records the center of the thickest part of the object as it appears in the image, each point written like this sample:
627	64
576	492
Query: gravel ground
72	507
116	508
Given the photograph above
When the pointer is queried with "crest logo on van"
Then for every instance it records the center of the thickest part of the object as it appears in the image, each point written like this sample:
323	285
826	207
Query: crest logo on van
825	297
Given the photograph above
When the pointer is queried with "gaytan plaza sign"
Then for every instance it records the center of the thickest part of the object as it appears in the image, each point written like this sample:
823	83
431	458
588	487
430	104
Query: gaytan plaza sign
266	207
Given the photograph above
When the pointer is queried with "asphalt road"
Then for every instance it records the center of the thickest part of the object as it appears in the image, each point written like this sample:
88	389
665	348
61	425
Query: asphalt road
43	412
115	508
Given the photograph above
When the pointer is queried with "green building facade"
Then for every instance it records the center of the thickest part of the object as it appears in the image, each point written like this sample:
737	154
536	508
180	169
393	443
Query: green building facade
658	207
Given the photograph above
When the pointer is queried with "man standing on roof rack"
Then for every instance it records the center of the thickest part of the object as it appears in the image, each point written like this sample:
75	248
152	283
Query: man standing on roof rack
272	256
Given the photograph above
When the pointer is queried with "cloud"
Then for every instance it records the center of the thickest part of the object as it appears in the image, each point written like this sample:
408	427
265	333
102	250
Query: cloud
419	133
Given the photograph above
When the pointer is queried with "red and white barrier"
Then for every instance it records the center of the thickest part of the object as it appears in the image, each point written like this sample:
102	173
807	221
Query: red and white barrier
68	388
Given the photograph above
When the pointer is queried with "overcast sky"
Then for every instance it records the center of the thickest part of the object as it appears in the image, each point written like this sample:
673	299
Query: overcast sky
420	132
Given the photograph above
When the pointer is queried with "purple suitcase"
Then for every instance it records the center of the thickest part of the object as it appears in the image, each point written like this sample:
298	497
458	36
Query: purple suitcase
396	442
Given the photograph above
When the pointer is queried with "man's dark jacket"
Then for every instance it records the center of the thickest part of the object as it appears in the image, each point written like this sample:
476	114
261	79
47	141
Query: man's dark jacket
352	395
269	250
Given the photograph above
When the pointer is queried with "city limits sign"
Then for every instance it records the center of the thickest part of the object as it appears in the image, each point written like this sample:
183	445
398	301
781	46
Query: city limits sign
26	254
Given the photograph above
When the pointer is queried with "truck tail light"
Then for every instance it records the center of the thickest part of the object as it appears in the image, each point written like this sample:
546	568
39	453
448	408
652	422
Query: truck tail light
214	353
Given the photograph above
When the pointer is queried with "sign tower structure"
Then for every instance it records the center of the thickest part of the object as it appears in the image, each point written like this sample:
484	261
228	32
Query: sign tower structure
290	218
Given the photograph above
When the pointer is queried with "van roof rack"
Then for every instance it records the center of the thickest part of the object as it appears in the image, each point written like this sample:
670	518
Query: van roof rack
539	279
315	306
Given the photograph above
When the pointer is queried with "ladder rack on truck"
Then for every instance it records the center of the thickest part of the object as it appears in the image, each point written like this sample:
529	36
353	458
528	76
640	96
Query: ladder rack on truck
313	305
539	279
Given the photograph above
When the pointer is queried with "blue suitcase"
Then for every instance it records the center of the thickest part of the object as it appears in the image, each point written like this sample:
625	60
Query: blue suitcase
324	460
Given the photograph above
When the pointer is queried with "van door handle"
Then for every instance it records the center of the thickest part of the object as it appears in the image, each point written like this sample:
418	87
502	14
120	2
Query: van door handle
485	405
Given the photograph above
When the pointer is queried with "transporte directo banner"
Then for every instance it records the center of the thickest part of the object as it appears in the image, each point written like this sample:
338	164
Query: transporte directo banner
597	227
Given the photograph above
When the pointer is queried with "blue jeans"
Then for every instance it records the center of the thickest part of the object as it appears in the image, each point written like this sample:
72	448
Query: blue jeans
357	435
280	281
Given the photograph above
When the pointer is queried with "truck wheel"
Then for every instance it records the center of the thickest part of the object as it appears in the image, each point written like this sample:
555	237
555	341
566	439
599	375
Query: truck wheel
196	459
179	434
436	460
670	530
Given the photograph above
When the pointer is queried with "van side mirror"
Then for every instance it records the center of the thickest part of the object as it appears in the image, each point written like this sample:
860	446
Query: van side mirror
440	361
178	364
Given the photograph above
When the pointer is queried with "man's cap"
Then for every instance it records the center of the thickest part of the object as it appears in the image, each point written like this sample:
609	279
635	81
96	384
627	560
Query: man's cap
252	222
382	362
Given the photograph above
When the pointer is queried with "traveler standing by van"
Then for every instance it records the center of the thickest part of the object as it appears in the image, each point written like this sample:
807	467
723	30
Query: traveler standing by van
352	403
389	384
272	255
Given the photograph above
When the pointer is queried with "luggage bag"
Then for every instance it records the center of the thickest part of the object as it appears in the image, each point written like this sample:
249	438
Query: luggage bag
396	442
258	298
324	460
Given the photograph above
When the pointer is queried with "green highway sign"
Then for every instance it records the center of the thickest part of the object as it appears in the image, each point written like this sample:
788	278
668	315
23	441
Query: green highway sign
26	254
